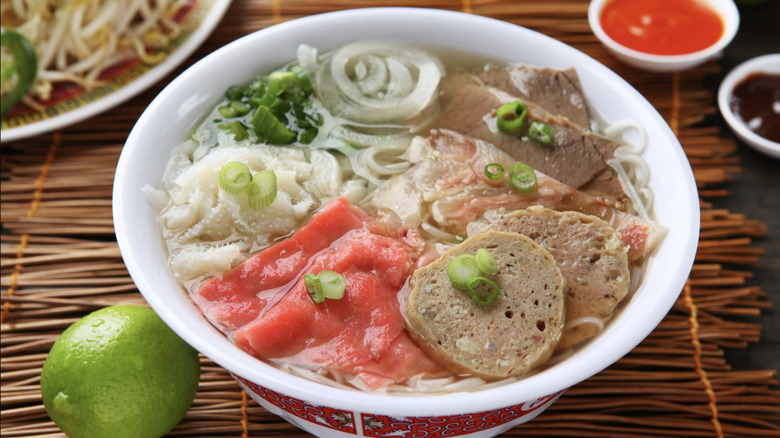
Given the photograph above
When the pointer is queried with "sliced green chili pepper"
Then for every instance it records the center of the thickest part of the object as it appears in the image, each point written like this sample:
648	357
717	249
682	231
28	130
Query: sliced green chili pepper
510	116
22	69
540	132
522	177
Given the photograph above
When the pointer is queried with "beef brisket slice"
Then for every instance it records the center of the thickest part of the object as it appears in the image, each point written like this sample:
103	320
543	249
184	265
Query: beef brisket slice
555	91
576	158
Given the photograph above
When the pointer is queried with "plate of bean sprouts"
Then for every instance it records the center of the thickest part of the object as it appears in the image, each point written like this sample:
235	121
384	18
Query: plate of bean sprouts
66	61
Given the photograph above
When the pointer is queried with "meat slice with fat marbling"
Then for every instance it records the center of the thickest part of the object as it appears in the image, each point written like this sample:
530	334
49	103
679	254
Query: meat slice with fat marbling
448	179
576	157
265	307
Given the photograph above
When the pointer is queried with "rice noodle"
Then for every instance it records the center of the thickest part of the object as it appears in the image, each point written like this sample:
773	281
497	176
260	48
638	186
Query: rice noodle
415	386
585	320
631	168
77	39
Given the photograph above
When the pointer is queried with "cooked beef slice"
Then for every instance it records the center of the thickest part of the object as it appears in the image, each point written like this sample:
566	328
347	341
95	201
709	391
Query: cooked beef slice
555	91
575	158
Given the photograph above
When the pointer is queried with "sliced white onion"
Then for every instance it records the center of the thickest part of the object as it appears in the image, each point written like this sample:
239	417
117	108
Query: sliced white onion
373	82
307	58
399	140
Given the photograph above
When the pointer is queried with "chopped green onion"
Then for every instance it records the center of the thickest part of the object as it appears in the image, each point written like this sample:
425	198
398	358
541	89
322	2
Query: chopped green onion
234	92
333	284
540	132
461	269
240	108
494	171
263	98
268	127
262	190
235	177
522	177
486	262
304	78
308	135
510	116
284	82
472	284
236	128
326	284
227	111
314	287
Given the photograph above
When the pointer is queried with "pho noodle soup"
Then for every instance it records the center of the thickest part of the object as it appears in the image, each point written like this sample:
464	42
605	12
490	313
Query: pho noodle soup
382	218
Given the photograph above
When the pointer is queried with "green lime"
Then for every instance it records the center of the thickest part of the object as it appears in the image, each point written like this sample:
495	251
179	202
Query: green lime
119	372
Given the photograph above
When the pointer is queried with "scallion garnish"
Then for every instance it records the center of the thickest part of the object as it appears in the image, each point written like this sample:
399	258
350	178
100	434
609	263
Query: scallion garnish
486	262
267	126
510	116
494	171
461	269
314	287
234	92
326	284
262	190
472	285
227	112
522	177
235	177
540	132
333	284
236	128
465	273
239	107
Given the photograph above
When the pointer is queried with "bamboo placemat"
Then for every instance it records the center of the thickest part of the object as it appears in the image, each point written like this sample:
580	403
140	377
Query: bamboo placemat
60	261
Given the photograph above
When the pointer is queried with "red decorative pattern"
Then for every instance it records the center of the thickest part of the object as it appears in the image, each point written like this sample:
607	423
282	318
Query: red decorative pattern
448	426
343	421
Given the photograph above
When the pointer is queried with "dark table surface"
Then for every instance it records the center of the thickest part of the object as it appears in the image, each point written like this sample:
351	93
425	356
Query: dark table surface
756	189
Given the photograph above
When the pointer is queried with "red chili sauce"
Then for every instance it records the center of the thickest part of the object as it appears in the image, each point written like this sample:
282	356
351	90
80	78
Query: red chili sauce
756	100
662	27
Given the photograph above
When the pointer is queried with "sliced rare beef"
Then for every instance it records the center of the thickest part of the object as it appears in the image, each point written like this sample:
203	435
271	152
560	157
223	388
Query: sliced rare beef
576	157
555	91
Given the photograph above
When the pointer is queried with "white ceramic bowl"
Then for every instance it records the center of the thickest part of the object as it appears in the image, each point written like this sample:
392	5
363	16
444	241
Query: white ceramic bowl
667	63
328	411
766	64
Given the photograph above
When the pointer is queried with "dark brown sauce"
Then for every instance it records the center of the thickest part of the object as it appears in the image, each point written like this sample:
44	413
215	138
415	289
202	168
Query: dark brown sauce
756	100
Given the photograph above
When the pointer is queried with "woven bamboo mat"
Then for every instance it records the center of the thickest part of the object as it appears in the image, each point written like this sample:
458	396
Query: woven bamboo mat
60	261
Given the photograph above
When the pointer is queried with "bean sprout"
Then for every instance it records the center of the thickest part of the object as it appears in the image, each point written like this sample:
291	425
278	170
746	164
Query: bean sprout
76	40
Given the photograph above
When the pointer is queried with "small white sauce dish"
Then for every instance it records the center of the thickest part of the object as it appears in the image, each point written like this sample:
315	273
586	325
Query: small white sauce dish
762	64
667	63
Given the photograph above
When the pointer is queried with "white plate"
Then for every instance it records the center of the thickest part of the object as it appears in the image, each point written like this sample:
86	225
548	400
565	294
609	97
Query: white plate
199	24
766	64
